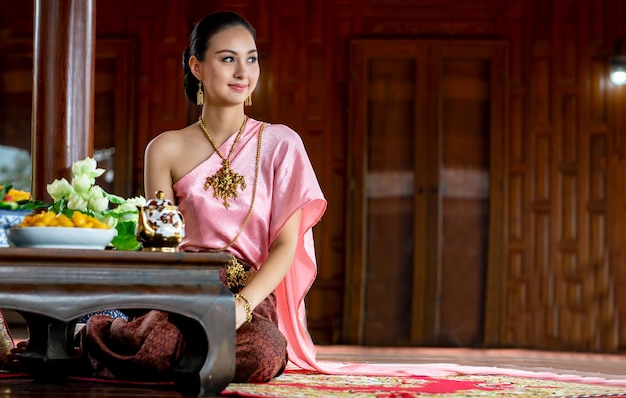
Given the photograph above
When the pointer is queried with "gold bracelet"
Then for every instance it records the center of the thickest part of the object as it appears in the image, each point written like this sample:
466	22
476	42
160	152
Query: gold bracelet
246	306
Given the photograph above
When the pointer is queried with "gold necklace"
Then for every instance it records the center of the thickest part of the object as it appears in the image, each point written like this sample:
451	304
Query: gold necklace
225	181
254	185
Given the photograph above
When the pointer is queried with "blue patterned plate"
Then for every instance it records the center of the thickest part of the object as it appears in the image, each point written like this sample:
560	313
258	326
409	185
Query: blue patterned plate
8	219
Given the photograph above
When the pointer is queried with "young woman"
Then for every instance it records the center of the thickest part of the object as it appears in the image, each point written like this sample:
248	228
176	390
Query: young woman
244	187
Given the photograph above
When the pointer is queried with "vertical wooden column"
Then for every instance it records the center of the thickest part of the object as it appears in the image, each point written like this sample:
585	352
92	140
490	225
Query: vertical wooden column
63	88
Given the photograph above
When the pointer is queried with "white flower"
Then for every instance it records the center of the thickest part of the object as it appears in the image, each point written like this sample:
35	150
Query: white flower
59	189
110	220
77	202
87	167
137	201
126	211
97	199
81	183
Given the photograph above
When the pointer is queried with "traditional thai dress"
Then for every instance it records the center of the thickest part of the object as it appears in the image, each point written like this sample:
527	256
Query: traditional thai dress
280	180
286	183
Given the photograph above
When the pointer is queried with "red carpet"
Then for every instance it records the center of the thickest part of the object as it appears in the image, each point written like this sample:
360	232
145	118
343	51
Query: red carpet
299	384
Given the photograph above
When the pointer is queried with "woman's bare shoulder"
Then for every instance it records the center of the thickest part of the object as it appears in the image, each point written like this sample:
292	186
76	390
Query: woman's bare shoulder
179	151
172	142
167	138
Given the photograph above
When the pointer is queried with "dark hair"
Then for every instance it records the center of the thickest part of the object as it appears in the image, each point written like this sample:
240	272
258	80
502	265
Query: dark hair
199	39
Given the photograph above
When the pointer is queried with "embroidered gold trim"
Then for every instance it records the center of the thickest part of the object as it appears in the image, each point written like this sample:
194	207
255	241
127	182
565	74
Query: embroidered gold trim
236	275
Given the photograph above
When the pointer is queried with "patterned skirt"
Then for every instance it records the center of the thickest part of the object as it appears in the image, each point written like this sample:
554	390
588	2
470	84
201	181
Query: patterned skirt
148	346
260	348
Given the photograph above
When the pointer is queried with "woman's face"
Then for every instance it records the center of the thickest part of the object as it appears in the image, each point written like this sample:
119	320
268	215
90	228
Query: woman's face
230	70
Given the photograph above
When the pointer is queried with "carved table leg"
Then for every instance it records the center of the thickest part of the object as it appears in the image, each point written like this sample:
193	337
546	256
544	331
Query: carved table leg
50	355
208	363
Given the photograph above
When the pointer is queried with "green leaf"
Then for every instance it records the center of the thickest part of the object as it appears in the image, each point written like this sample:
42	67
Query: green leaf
8	205
32	204
126	243
126	239
4	190
115	199
58	206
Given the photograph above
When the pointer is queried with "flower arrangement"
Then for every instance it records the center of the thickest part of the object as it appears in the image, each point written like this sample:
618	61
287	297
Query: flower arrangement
83	195
15	205
18	200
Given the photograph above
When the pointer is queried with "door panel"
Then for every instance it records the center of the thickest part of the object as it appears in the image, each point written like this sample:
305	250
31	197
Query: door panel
424	114
464	183
389	197
382	207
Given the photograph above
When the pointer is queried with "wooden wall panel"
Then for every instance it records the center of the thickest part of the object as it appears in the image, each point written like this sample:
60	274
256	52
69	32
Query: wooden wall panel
564	196
597	91
541	86
568	53
542	151
569	140
568	205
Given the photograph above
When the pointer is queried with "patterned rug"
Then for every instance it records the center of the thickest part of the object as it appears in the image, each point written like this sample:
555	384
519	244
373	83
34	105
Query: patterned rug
300	384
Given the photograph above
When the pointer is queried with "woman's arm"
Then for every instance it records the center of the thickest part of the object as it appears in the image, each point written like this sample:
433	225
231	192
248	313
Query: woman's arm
157	170
274	269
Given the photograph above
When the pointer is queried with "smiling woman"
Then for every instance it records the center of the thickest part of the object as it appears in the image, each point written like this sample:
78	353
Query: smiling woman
247	188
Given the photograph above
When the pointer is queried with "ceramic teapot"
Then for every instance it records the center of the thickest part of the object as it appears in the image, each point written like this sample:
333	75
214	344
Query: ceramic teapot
161	225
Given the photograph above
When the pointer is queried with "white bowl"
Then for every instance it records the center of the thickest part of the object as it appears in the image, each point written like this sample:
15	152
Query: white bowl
60	237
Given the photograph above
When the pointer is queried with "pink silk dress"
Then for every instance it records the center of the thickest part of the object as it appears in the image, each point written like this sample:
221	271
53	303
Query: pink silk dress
286	183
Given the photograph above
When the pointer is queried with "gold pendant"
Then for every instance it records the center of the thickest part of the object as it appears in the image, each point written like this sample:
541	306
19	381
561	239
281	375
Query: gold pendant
225	183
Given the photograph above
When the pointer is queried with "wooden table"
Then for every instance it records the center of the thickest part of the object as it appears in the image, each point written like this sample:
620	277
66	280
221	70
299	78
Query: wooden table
51	288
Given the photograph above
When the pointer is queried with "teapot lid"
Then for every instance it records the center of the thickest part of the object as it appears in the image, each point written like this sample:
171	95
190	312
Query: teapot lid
159	201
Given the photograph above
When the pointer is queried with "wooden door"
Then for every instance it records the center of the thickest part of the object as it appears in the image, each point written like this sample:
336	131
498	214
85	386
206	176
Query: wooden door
426	127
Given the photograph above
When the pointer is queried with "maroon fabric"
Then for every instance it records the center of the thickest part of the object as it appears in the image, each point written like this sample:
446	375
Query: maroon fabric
150	345
261	349
144	348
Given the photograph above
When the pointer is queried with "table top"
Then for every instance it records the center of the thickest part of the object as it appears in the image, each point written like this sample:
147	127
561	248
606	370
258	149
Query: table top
30	266
16	255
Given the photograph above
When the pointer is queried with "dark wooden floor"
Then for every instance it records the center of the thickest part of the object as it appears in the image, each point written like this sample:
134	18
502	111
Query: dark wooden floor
583	364
26	388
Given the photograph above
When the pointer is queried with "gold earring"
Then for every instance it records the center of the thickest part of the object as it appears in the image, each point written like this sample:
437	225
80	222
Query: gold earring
200	95
248	100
